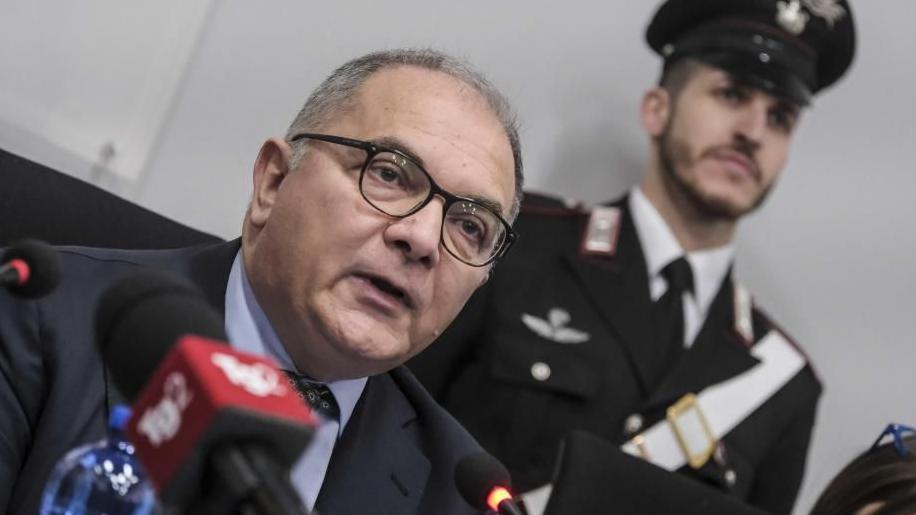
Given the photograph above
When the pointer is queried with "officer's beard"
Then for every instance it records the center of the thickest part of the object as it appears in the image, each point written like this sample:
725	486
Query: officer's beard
673	153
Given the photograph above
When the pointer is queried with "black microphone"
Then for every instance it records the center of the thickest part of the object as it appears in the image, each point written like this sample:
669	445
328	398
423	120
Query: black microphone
484	483
30	269
139	318
217	430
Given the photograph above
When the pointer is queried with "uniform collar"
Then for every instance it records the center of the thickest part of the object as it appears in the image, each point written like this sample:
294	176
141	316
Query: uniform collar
250	331
660	247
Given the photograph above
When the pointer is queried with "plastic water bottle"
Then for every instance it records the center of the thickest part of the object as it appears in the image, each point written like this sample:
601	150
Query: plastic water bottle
102	478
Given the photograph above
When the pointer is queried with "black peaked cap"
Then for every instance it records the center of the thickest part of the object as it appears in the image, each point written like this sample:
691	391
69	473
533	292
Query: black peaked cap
791	48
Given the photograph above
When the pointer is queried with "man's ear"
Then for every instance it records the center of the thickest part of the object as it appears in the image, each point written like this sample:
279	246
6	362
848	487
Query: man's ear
270	168
655	111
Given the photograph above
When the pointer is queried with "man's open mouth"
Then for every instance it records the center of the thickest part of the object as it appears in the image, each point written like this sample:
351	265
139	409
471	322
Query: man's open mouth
388	288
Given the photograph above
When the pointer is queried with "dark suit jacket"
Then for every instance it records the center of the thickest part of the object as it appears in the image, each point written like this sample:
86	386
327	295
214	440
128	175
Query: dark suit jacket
396	456
488	369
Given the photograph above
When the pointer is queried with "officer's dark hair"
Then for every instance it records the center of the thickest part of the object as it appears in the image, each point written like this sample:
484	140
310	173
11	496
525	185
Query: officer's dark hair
879	477
676	75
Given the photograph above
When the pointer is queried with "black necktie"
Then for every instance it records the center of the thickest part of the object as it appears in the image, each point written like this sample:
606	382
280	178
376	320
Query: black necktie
668	313
317	395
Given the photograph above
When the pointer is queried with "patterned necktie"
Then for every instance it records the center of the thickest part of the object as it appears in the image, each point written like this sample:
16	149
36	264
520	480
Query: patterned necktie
668	313
319	397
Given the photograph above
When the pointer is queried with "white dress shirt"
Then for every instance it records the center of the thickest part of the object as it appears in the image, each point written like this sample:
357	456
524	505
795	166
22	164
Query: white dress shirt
250	331
660	247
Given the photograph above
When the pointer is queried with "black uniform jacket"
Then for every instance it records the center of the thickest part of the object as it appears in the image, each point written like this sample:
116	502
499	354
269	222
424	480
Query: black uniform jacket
519	392
396	456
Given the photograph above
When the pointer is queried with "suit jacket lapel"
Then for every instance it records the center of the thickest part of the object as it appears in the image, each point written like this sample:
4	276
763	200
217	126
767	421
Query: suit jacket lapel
395	473
208	267
717	354
619	289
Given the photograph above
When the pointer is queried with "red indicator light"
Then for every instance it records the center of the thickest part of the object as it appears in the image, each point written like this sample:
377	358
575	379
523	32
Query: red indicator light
497	495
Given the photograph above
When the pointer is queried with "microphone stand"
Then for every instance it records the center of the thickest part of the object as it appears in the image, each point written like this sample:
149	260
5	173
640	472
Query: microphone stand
245	480
508	507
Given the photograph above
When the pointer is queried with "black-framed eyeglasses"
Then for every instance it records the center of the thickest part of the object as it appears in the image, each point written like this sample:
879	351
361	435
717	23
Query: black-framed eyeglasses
898	431
395	184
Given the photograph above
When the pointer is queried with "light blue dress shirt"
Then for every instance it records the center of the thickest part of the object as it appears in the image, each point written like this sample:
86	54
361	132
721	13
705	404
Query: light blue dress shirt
250	331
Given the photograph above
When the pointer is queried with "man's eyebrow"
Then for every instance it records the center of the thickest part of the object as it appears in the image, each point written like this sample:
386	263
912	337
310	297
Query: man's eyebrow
789	107
486	202
786	105
396	144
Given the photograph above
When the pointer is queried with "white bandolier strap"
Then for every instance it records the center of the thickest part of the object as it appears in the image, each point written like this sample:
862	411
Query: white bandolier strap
696	423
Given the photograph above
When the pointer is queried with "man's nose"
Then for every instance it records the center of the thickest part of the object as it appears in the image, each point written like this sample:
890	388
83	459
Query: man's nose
417	236
752	121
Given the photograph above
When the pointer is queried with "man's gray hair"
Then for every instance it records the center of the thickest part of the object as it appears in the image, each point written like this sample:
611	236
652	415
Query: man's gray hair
337	93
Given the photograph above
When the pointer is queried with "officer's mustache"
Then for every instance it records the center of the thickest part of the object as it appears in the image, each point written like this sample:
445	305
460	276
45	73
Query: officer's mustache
744	147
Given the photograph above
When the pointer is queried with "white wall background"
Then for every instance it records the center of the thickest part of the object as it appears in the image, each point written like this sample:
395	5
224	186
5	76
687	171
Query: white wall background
96	79
831	256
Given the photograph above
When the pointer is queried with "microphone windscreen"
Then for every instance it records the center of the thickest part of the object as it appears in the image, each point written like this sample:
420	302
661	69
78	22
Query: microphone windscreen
44	267
140	317
476	475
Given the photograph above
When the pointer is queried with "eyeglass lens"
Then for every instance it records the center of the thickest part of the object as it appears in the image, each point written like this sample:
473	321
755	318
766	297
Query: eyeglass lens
397	186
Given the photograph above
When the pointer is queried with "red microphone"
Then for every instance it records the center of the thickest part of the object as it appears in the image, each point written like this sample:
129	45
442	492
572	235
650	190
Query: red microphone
484	483
205	393
217	430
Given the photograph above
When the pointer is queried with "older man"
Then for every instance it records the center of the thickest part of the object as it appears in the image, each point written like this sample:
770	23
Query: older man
369	226
625	320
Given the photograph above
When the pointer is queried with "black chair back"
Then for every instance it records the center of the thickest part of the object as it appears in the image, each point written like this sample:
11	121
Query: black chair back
595	477
38	202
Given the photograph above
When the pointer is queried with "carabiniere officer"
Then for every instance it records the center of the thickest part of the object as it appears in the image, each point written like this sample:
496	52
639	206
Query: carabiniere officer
625	320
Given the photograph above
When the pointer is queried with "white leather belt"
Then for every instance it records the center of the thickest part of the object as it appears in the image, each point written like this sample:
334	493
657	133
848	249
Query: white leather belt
696	423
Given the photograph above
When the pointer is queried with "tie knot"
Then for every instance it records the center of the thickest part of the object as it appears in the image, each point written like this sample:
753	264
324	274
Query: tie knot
318	396
679	275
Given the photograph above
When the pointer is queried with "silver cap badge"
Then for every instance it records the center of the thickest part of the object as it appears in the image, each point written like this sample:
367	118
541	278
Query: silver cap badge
791	17
829	10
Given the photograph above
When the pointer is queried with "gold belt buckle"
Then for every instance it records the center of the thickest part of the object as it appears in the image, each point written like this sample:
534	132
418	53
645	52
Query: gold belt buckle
687	406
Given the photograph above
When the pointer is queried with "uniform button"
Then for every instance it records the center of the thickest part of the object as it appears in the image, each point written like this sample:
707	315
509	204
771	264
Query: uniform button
540	371
633	424
730	477
719	455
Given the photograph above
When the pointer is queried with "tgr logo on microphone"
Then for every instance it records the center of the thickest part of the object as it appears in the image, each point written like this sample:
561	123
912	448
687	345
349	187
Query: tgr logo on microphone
257	378
161	422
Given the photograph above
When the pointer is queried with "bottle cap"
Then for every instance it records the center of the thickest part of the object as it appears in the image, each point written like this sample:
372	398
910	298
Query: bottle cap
119	417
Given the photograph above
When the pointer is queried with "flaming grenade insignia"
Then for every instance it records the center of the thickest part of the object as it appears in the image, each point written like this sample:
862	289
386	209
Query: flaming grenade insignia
791	17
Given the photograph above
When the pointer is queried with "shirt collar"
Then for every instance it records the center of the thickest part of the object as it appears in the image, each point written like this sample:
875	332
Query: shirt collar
250	331
660	247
